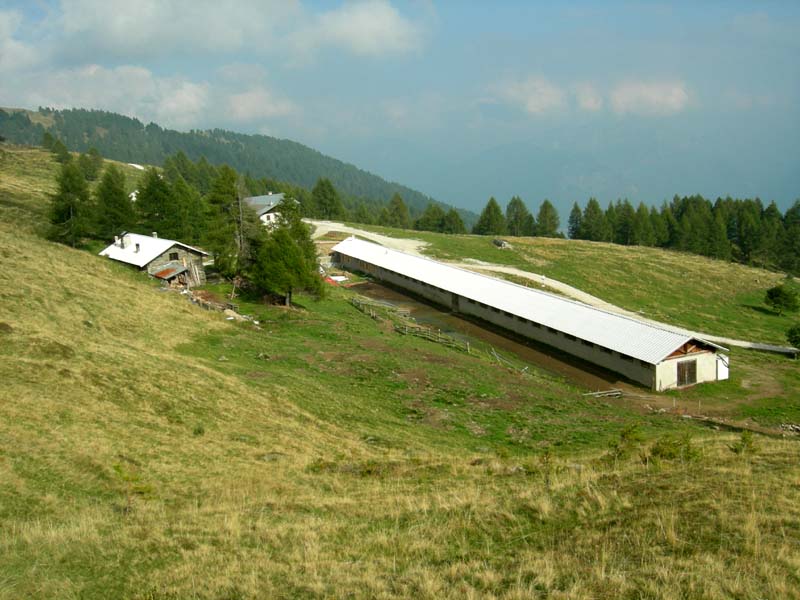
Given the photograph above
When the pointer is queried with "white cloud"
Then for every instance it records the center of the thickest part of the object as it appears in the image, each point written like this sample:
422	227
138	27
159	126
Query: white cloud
131	90
649	98
588	97
536	95
126	30
257	104
367	28
14	54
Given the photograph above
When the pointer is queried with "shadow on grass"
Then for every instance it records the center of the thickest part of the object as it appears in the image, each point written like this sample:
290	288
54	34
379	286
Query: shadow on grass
761	309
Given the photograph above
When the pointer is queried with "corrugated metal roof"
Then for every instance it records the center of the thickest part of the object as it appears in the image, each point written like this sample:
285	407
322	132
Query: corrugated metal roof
170	270
149	248
632	337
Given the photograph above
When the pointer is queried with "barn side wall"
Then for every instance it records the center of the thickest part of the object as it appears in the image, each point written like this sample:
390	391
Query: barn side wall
634	369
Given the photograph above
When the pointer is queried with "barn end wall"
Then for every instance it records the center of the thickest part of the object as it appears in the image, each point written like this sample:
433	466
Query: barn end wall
636	370
667	371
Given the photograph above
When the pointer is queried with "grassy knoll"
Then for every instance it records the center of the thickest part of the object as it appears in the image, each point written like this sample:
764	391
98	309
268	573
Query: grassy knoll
150	449
712	296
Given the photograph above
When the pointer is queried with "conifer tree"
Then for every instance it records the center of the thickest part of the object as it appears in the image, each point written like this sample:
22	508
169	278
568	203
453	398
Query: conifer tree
71	210
518	218
593	222
114	209
453	223
547	220
398	213
432	219
326	201
491	221
575	222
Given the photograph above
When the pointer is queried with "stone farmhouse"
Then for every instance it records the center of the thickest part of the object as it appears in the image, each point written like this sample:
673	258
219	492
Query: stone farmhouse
176	263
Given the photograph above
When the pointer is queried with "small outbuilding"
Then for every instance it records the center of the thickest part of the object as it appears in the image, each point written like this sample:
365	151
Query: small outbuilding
658	357
176	263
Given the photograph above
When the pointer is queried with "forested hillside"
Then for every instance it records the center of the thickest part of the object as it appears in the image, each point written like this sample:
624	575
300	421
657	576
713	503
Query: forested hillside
126	139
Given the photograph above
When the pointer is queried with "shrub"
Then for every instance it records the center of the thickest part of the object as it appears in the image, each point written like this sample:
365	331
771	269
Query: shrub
675	447
793	335
745	445
781	298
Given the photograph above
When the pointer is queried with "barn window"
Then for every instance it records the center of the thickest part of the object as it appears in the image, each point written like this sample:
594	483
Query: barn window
585	343
535	324
570	337
606	350
173	256
687	372
551	330
625	356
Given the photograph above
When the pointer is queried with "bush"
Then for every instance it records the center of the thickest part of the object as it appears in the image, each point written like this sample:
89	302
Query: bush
781	298
674	447
793	335
745	445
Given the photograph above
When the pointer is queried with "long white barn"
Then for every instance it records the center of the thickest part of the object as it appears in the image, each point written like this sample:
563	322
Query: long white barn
653	356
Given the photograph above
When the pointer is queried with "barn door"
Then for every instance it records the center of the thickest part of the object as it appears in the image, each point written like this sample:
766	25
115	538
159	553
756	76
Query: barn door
687	372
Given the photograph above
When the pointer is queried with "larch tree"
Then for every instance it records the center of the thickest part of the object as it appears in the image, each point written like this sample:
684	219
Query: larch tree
114	209
398	215
517	218
453	223
326	201
574	223
547	220
71	211
491	221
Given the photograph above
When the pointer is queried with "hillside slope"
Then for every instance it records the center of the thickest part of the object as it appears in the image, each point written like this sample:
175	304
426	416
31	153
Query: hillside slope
150	449
128	140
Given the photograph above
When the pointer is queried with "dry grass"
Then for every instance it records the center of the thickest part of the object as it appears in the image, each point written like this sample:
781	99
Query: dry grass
133	463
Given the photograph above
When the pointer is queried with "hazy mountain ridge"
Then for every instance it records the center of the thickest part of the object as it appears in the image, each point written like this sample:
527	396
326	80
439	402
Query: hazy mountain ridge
127	139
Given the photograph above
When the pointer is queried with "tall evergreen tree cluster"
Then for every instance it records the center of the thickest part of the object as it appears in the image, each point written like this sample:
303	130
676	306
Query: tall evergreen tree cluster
743	230
197	204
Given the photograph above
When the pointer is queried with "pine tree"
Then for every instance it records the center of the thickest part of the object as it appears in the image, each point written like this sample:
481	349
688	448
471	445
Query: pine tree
517	217
221	224
547	220
432	219
326	201
719	245
398	213
491	221
624	223
453	223
593	222
154	205
114	209
575	222
642	231
70	211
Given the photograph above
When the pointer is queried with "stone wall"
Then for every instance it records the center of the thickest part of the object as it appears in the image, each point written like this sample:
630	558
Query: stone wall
186	257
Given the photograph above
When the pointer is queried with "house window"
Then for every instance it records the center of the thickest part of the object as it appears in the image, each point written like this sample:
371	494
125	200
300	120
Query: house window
687	372
173	256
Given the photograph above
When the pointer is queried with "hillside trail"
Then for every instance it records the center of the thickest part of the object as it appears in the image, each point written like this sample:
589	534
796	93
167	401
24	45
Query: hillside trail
416	247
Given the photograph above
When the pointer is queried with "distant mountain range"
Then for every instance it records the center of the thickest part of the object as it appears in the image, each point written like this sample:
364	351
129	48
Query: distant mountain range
127	139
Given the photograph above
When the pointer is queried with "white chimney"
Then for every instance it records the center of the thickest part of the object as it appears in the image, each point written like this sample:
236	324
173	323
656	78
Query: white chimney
117	241
155	234
137	247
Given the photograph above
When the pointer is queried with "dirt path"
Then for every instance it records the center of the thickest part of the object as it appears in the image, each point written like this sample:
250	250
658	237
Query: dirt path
416	248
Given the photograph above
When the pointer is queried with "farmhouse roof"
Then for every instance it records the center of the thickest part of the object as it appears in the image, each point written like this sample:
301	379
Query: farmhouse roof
632	337
140	250
264	204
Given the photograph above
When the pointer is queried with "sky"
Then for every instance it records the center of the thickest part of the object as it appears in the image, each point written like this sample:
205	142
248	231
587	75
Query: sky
461	99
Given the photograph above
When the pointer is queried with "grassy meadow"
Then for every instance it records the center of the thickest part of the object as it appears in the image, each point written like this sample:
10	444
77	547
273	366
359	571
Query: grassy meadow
150	449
